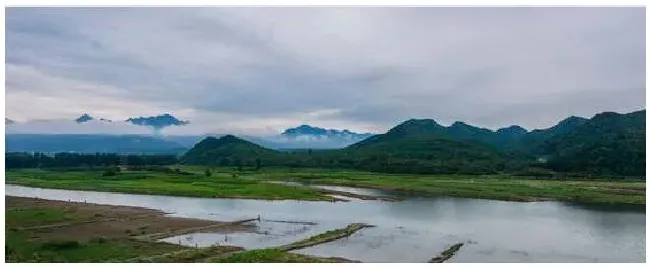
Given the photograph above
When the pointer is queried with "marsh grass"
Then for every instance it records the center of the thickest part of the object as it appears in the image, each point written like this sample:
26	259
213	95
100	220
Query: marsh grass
272	256
499	187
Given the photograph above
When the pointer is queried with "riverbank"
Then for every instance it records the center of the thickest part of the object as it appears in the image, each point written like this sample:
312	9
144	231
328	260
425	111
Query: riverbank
58	231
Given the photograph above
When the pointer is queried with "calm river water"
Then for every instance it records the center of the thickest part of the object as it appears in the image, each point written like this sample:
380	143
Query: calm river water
414	230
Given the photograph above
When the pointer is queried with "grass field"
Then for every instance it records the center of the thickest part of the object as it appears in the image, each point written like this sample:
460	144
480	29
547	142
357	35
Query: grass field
500	187
218	185
476	186
21	247
227	183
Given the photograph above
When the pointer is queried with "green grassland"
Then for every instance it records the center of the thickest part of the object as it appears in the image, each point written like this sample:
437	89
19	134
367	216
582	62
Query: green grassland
500	187
229	183
35	216
21	247
218	185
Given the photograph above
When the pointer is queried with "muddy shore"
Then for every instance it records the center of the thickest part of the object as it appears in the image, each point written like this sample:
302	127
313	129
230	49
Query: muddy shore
86	220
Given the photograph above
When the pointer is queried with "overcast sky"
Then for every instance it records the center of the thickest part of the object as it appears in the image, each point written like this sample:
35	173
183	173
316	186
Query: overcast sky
365	69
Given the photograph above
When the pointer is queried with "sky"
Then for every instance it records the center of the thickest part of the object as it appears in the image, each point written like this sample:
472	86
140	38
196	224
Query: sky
259	70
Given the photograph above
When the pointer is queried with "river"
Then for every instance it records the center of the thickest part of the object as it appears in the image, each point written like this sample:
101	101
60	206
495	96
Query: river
413	230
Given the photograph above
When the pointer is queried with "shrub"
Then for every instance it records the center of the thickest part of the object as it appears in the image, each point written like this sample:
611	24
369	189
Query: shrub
99	240
60	245
109	173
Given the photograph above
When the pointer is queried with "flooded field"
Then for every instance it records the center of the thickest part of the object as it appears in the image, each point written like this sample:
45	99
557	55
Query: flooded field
414	230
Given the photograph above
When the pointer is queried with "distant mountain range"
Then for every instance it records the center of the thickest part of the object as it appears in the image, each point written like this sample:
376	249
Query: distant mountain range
301	137
89	143
157	122
84	118
607	144
311	132
8	121
306	136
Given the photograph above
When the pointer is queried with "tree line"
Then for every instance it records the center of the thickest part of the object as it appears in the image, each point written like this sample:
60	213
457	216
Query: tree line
64	159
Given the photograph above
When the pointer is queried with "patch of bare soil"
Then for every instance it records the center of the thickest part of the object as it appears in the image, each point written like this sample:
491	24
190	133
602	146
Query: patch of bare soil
357	196
94	220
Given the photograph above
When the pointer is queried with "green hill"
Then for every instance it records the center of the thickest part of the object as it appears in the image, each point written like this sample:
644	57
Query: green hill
424	146
608	143
534	141
228	150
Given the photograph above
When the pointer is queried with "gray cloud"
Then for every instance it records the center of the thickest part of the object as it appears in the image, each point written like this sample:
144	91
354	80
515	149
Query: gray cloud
357	68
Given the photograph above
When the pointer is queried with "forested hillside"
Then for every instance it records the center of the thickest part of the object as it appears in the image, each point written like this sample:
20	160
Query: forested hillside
607	144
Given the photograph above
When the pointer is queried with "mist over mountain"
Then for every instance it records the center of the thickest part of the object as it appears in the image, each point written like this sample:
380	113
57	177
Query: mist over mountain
158	122
306	136
607	143
87	124
84	118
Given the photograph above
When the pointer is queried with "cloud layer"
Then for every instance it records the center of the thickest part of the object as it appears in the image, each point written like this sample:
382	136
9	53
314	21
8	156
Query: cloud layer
259	70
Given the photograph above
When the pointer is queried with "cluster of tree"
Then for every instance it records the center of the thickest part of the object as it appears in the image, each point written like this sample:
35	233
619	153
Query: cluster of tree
68	160
157	168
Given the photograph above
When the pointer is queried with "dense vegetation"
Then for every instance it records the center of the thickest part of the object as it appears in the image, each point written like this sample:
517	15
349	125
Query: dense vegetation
608	144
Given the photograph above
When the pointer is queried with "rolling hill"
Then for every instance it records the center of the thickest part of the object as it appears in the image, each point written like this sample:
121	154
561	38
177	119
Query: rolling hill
229	150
